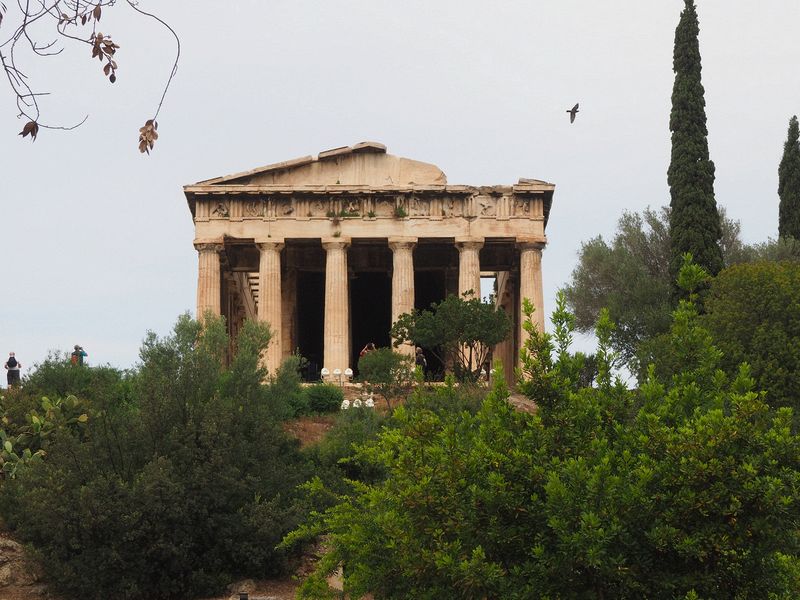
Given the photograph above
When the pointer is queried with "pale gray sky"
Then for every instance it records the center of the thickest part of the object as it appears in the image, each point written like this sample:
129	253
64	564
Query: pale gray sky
96	240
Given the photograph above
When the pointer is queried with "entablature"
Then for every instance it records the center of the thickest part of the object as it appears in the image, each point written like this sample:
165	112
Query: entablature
337	203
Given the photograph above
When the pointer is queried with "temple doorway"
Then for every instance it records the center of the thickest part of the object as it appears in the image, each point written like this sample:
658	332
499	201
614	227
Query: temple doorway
370	312
310	321
430	287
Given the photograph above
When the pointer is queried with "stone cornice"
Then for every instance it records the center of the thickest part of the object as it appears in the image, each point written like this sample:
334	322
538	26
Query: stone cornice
268	189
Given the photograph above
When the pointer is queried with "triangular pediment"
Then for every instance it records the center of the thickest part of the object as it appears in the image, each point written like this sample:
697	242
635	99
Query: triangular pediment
366	163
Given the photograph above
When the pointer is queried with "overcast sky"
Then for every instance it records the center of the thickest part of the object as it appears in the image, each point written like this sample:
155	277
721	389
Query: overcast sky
96	239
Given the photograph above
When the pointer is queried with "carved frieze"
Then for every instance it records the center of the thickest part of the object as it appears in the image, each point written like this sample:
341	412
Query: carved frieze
414	205
317	208
384	207
420	207
221	210
487	206
522	207
283	207
253	208
351	206
452	207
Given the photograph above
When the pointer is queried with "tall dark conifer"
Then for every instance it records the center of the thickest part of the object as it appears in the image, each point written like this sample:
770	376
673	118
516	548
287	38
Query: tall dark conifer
694	220
789	184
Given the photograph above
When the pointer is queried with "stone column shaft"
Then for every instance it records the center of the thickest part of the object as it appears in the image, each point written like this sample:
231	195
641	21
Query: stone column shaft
469	265
402	282
269	299
530	285
289	292
209	294
336	335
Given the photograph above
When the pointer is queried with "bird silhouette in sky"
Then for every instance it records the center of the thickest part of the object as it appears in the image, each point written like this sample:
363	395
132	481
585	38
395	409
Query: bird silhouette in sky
572	112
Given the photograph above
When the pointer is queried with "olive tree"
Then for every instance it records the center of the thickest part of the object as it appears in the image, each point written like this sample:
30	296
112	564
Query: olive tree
460	329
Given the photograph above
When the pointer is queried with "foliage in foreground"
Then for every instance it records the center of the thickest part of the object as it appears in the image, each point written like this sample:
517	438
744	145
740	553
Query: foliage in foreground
180	480
686	488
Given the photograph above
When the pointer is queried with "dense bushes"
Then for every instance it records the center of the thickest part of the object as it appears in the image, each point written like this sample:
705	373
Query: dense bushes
180	480
685	488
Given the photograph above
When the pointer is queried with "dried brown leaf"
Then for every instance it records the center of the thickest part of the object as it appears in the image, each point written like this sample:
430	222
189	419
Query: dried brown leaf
147	136
96	13
31	128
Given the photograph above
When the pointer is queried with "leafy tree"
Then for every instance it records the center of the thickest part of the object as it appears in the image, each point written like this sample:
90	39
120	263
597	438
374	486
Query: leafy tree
170	491
754	316
682	489
389	373
38	29
694	221
789	184
460	329
630	276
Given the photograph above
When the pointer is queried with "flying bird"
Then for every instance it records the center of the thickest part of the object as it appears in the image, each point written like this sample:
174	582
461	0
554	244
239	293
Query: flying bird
572	112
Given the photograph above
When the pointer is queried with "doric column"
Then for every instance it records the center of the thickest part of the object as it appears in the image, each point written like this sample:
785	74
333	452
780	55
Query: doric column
336	335
209	294
269	298
530	284
402	281
469	265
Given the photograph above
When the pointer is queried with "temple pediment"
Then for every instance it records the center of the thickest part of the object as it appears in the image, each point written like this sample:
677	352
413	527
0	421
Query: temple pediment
366	163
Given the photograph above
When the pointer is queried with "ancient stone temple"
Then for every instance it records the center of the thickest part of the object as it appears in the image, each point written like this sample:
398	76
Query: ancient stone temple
331	249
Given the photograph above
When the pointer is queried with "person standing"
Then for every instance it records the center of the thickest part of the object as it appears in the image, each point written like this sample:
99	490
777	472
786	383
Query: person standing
420	361
78	355
12	366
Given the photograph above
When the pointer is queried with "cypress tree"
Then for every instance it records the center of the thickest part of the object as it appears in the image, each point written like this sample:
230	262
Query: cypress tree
694	220
789	185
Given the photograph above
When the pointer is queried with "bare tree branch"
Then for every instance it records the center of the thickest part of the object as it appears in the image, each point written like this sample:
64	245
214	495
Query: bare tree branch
68	18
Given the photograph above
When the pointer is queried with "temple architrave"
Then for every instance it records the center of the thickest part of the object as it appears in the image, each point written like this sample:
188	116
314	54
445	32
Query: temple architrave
331	249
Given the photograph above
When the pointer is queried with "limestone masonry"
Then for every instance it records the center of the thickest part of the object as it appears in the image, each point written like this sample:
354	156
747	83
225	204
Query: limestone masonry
331	250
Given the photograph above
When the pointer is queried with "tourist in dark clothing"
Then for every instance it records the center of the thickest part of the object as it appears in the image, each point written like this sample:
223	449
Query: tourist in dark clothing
12	366
420	361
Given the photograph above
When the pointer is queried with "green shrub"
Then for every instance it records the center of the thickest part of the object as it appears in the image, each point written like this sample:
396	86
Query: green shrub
447	398
334	454
324	397
286	395
57	377
387	372
173	493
